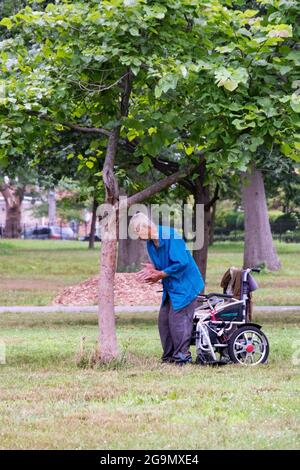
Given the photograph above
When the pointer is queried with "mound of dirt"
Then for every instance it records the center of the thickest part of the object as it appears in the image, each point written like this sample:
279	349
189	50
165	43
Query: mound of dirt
128	291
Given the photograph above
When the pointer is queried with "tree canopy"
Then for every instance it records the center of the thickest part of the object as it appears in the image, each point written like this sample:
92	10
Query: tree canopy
206	75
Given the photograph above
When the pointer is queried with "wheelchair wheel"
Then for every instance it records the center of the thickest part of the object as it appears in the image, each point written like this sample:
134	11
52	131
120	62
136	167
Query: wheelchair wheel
248	346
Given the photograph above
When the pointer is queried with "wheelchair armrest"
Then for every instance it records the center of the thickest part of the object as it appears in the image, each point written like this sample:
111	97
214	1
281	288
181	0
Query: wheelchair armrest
222	296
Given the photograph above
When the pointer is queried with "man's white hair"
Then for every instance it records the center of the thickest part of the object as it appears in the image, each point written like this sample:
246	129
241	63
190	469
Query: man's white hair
140	223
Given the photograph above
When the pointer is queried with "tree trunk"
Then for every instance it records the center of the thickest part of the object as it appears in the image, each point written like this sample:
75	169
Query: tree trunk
258	247
51	207
201	255
201	196
107	329
13	197
93	224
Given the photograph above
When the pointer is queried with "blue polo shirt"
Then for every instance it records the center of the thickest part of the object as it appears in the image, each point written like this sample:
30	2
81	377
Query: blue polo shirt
184	281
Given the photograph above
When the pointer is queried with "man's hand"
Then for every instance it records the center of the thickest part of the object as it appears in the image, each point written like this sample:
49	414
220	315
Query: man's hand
148	266
150	274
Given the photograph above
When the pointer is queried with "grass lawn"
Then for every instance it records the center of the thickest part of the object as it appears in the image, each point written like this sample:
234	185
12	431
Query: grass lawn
32	272
48	401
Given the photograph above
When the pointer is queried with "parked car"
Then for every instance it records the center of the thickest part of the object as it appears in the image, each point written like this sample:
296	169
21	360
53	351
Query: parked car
51	232
87	238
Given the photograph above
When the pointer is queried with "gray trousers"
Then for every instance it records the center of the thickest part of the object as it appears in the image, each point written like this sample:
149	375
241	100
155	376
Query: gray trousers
175	329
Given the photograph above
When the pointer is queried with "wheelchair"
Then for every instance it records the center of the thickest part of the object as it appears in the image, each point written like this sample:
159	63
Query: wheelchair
222	330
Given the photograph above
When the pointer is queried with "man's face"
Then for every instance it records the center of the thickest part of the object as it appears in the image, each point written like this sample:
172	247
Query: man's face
147	232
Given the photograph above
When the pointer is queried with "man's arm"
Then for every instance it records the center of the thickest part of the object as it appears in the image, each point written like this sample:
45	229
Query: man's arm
150	274
179	260
178	257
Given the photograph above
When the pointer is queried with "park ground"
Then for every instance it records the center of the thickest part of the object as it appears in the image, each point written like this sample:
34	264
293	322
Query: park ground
33	272
52	397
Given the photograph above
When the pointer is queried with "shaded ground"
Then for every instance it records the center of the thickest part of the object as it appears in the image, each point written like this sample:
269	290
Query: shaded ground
49	400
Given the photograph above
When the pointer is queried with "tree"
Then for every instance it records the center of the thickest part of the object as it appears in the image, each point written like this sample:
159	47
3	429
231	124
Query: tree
51	206
253	57
114	69
259	247
261	57
13	195
64	60
282	180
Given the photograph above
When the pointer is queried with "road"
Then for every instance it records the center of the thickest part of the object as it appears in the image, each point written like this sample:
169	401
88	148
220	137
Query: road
121	309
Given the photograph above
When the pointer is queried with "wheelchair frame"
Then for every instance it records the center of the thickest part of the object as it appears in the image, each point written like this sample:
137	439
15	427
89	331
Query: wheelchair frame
238	341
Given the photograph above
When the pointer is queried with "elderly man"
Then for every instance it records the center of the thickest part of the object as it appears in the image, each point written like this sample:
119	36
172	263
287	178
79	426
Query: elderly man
182	282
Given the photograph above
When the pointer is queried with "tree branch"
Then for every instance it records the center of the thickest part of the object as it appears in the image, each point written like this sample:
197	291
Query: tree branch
158	186
95	87
126	83
74	127
167	167
87	130
109	178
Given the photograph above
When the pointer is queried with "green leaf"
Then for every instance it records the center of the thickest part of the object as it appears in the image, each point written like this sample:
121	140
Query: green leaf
6	22
130	3
144	166
152	130
230	85
281	31
286	149
132	134
294	56
295	102
184	71
189	150
134	32
226	49
255	143
241	125
166	83
231	78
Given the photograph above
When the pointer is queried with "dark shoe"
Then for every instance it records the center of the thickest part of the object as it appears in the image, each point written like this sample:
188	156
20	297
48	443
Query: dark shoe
168	360
183	362
183	358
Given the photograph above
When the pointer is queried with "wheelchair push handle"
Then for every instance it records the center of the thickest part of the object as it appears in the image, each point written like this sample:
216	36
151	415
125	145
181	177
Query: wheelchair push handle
214	294
255	270
224	296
